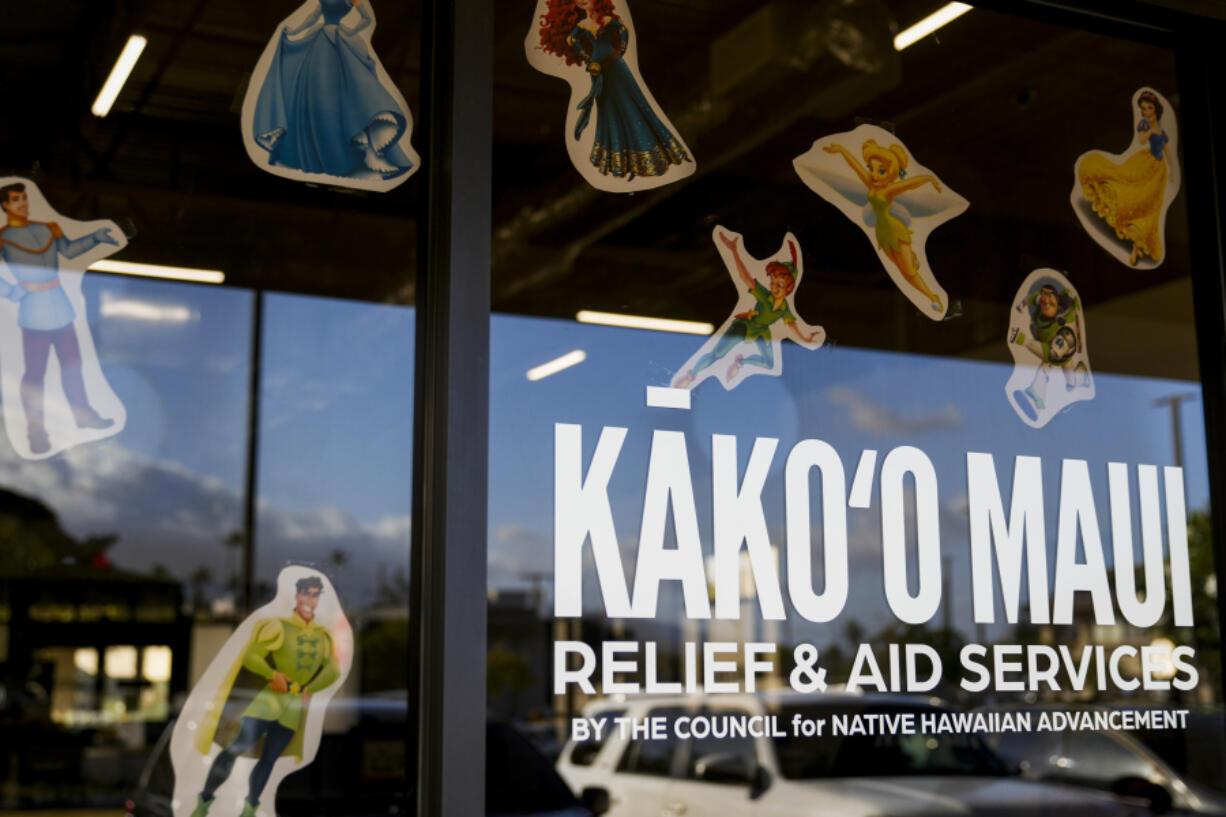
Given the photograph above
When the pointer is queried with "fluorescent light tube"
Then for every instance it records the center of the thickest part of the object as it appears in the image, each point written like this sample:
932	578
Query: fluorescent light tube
119	75
554	366
940	17
143	311
200	276
641	322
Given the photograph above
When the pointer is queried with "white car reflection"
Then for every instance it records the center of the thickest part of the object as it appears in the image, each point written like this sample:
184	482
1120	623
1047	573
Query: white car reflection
869	775
1115	761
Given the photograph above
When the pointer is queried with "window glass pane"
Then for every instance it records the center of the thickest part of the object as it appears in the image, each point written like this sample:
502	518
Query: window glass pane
876	473
260	356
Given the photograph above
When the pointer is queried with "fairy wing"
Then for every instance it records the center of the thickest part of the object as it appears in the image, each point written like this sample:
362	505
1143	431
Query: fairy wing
925	202
818	177
896	210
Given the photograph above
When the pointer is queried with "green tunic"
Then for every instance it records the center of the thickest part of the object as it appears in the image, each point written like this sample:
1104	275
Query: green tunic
758	322
302	651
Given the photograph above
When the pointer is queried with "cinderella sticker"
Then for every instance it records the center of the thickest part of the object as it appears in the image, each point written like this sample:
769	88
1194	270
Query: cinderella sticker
52	387
257	713
764	315
872	179
321	108
616	134
1121	199
1047	339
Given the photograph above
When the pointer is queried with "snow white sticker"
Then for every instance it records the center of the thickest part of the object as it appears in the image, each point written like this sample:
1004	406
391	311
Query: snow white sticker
870	177
616	134
320	106
1121	199
1047	339
257	713
764	315
51	401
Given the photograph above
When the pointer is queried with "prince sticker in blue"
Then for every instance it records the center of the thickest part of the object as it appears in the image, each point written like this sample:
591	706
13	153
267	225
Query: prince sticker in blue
763	316
52	387
320	106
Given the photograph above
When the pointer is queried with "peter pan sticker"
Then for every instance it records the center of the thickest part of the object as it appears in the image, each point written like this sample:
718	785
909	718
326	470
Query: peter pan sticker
1047	339
870	177
1121	199
257	713
764	315
52	387
321	108
616	134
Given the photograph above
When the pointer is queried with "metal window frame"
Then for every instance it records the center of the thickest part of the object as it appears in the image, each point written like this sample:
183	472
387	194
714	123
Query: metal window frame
451	405
450	470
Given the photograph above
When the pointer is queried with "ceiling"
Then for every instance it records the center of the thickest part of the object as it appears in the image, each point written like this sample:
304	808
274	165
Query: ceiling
1001	106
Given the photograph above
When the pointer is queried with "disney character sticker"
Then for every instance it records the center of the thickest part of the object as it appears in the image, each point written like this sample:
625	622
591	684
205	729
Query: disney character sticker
321	108
257	713
764	315
872	179
52	387
1121	199
1047	339
616	134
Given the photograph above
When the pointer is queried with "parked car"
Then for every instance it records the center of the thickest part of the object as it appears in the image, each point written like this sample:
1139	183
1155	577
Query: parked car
1110	761
362	771
794	776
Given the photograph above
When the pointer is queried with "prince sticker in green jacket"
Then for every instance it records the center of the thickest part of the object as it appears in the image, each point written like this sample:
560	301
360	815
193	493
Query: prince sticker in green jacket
264	706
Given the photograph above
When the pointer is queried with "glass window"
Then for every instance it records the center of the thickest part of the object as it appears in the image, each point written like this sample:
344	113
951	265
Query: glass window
267	397
629	456
653	756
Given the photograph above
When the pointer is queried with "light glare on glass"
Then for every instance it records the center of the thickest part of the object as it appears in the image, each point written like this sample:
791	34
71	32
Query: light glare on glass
119	75
554	366
942	16
643	322
200	276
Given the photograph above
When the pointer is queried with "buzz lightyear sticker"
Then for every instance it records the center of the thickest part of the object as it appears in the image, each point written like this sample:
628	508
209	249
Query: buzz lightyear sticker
616	134
257	713
764	315
1047	338
52	387
321	108
1121	199
871	177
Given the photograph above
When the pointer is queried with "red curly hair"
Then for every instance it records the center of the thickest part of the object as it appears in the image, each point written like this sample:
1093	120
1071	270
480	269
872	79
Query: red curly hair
560	19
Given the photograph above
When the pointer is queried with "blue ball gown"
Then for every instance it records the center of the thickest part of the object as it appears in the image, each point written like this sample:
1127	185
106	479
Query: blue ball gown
630	139
322	108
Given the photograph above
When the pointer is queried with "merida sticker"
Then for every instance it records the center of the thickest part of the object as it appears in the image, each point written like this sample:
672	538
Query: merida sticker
1121	199
749	341
872	179
257	713
321	108
1047	339
616	134
52	387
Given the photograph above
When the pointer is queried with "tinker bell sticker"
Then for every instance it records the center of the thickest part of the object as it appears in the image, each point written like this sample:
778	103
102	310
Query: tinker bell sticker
871	178
764	315
1121	199
1047	339
52	387
321	108
616	134
257	713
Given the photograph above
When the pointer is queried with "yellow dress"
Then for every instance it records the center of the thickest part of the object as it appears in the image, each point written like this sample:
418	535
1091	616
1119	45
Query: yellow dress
1129	195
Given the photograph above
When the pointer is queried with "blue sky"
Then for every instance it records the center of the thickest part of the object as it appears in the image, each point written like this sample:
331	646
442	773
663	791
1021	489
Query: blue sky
852	398
336	459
